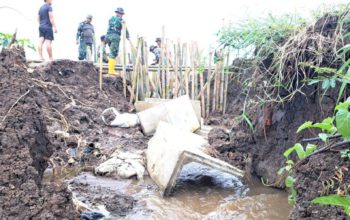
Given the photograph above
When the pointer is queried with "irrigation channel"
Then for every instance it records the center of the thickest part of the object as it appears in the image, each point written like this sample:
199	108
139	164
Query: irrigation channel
200	193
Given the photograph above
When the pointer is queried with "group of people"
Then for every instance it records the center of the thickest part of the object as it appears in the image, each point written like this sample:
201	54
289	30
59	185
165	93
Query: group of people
85	37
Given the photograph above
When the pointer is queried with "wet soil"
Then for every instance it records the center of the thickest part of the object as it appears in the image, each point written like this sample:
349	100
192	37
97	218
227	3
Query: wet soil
312	178
48	115
25	148
275	125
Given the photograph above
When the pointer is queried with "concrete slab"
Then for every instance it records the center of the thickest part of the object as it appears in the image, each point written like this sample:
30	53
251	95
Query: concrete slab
172	148
178	112
151	102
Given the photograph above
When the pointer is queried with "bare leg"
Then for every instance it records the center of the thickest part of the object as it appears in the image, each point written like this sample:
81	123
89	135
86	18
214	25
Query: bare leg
49	49
40	47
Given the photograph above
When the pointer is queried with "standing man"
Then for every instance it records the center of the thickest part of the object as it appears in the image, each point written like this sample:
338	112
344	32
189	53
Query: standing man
113	37
86	39
47	27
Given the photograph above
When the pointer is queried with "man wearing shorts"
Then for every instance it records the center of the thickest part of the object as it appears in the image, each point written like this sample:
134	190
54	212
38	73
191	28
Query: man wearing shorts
47	27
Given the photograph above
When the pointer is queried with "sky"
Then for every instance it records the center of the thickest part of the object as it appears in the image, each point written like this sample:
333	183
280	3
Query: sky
187	20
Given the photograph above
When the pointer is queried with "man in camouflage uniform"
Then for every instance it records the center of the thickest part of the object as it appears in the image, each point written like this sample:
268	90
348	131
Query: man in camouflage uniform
156	50
113	37
86	38
102	47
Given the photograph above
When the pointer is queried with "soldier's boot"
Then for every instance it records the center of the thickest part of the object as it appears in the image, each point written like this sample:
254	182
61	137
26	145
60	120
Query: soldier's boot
111	66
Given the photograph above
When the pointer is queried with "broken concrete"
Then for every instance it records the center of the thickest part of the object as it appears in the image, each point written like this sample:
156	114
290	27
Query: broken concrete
178	112
151	102
172	148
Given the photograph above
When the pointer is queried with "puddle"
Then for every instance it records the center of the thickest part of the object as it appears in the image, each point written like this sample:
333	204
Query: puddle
200	193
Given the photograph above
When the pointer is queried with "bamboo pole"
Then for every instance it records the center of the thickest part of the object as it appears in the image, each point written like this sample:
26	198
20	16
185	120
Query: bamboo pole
162	64
180	57
176	72
186	69
193	72
101	69
226	82
222	80
215	91
168	74
202	95
197	65
124	57
134	85
208	85
148	82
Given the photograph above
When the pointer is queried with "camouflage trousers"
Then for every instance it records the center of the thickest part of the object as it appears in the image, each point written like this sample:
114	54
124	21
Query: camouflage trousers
85	51
113	43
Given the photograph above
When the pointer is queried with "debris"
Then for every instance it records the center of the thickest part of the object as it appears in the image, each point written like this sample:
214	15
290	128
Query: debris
90	215
178	112
167	154
124	164
91	149
151	102
112	117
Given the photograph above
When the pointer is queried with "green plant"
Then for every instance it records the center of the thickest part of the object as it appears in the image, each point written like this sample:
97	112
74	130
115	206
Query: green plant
330	126
287	169
334	200
5	40
345	154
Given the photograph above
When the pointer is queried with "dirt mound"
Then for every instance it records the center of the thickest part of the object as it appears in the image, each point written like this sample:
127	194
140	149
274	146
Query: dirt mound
25	149
275	123
51	118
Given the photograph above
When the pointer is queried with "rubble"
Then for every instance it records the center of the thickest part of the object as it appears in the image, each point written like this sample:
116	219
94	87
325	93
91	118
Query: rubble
171	148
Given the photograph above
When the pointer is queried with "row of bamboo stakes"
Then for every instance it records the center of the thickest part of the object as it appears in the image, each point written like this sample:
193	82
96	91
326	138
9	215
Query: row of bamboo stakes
182	70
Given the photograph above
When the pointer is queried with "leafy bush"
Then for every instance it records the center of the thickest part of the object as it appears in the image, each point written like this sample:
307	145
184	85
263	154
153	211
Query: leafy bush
259	37
5	40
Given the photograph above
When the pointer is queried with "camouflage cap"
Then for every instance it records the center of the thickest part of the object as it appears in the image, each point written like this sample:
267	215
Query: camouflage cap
120	11
158	39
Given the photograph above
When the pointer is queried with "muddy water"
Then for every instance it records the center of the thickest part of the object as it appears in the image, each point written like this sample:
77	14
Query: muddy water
200	194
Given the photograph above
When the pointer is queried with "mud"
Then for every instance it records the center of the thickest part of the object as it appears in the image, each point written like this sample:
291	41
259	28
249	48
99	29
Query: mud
25	148
49	114
311	183
261	152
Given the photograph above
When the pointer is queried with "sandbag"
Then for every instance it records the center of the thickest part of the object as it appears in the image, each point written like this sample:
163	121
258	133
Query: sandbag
113	118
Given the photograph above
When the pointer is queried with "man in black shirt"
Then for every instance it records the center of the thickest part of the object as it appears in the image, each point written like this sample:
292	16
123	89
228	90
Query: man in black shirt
47	27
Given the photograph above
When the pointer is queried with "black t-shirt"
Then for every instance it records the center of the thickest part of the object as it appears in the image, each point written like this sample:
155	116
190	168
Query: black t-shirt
44	16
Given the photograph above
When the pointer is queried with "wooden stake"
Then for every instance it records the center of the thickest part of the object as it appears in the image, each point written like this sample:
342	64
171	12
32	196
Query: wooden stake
177	63
202	95
226	82
101	60
193	72
168	74
162	63
124	57
222	80
208	86
185	49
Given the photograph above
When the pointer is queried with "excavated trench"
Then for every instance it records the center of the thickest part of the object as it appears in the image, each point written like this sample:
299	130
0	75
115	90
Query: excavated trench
51	114
54	109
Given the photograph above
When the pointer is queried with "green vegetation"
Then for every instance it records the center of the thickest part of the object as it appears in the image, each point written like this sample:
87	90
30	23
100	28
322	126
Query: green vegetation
260	37
288	55
338	124
5	40
334	200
